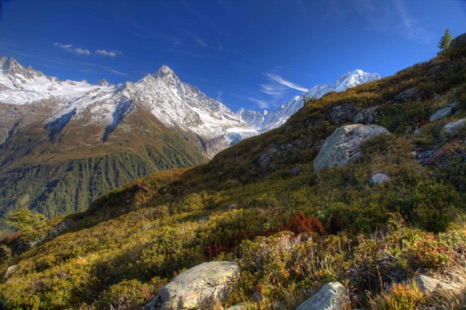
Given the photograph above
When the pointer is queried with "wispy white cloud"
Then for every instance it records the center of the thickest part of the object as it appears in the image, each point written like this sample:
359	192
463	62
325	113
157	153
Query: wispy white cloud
392	16
111	53
70	48
219	96
411	27
84	51
277	78
116	72
260	103
275	90
197	39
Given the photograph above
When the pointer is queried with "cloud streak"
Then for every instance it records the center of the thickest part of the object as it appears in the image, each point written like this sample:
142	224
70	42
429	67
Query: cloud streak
75	50
282	81
197	39
111	53
84	51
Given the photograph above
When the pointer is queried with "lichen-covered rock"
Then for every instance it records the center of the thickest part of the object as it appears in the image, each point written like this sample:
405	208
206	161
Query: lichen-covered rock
442	113
380	178
343	145
452	128
10	271
342	113
204	286
332	296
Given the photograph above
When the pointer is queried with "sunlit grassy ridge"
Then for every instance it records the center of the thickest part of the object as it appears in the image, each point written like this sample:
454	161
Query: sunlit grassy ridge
291	230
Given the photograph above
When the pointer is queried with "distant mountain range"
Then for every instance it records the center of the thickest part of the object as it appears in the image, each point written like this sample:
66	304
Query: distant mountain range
266	120
63	143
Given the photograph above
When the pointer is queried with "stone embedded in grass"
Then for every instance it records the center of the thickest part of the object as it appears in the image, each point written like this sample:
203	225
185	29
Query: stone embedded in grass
332	296
204	286
380	178
442	113
343	145
452	128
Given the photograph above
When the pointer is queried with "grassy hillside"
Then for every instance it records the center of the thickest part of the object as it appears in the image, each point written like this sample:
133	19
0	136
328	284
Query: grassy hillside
64	174
291	229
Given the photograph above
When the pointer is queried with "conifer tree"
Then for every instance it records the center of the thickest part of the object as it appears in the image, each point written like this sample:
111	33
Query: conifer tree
30	223
445	40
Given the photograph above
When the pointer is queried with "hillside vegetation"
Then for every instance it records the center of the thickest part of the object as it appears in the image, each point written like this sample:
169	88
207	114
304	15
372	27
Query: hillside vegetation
262	204
64	174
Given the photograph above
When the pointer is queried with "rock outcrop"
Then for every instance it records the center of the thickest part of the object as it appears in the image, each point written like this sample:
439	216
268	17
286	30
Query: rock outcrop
343	145
332	296
204	286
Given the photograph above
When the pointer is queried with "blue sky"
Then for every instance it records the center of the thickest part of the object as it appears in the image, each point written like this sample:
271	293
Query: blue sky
252	54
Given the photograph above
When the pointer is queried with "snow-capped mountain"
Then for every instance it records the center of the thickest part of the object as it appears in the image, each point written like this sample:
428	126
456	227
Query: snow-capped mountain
20	86
172	102
178	104
265	120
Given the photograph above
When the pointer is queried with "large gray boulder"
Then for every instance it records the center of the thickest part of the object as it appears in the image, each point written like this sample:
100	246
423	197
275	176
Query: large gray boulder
332	296
343	145
204	286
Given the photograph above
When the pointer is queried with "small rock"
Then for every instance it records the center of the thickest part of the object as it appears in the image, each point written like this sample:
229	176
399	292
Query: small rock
257	297
442	113
10	271
240	306
380	178
426	157
452	128
426	284
204	286
232	207
332	296
295	171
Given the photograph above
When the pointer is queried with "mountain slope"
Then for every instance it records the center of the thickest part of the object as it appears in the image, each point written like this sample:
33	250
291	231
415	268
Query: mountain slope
64	143
266	120
261	204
